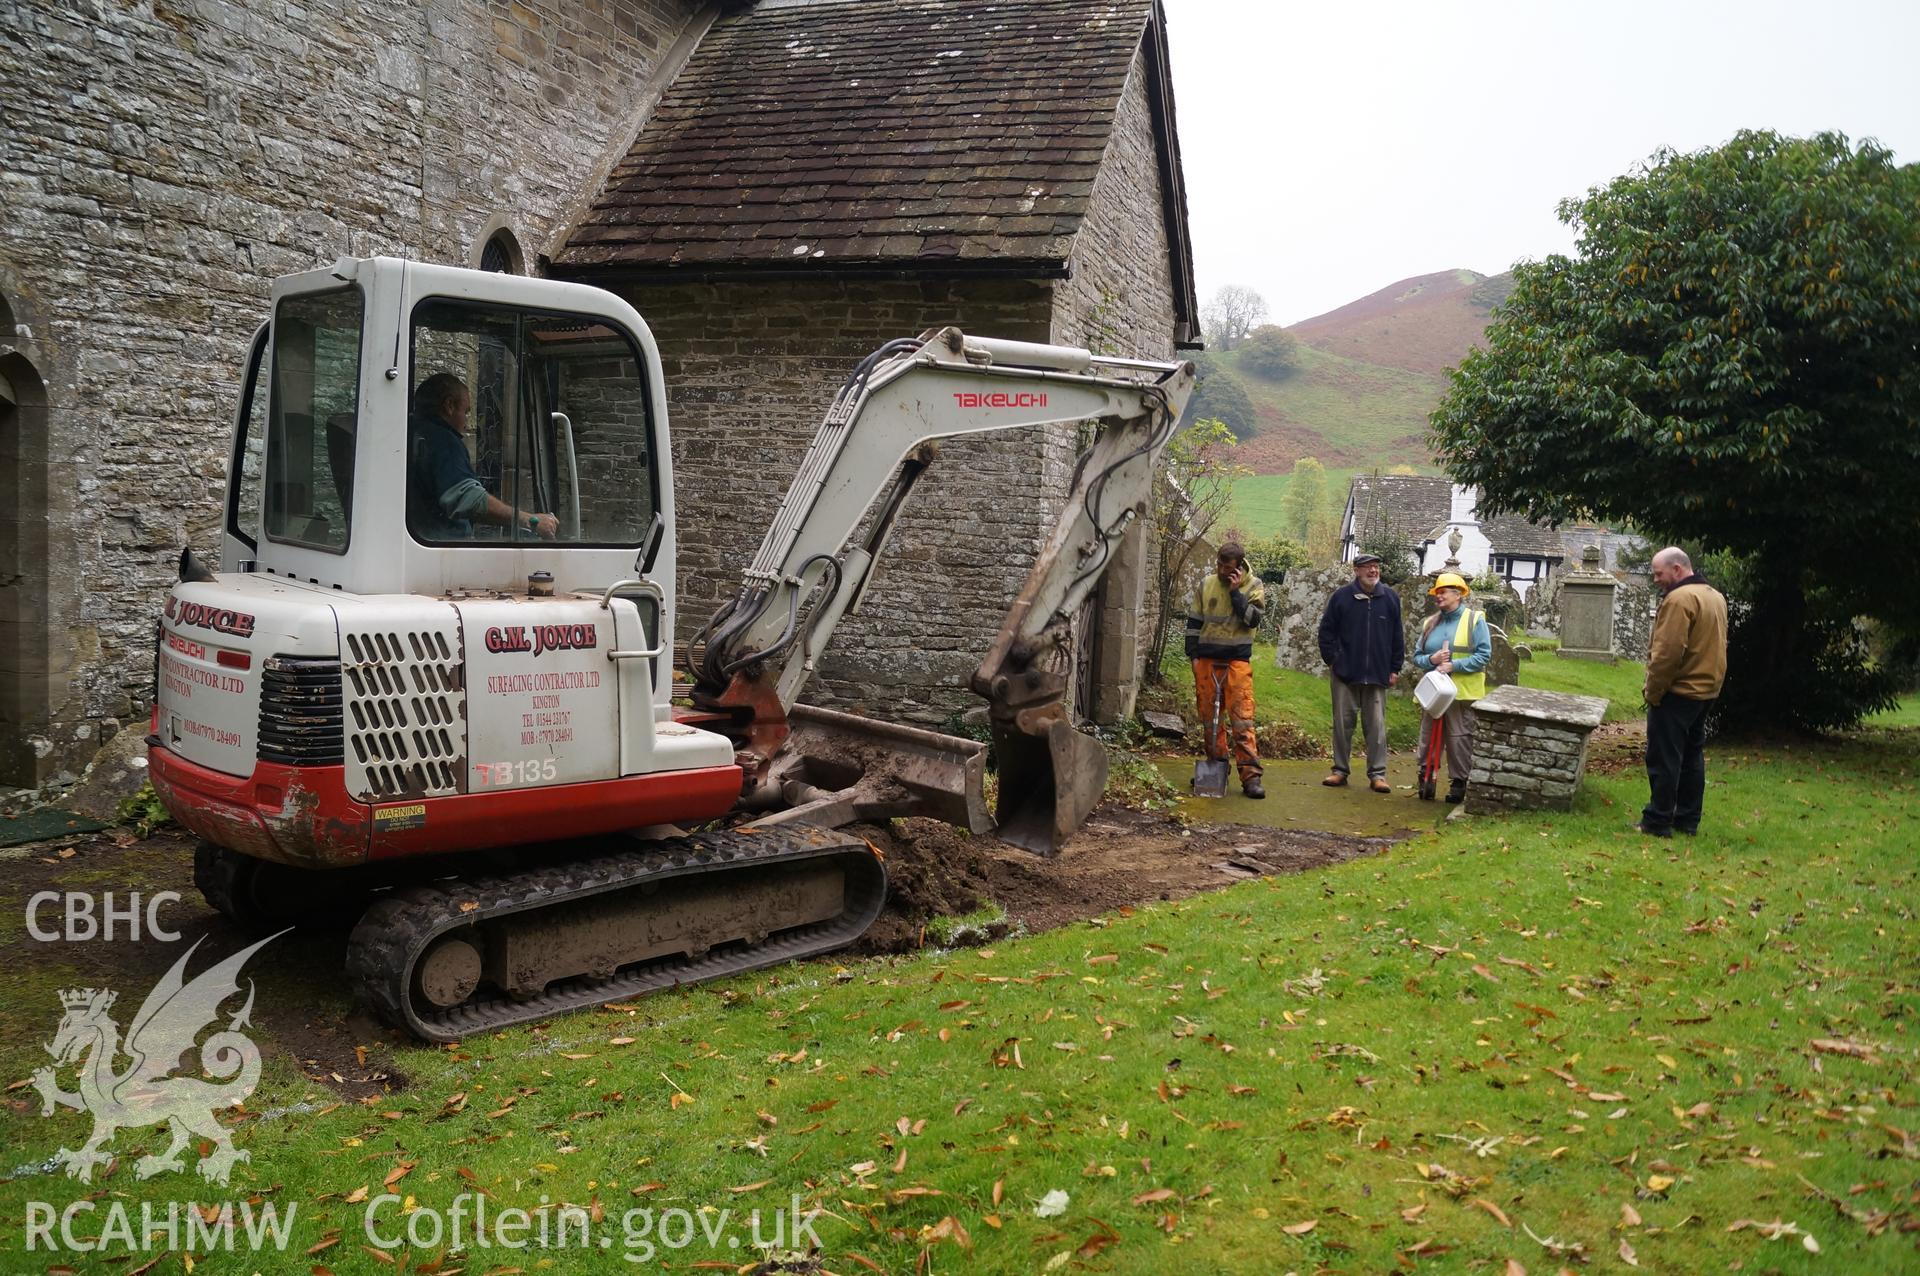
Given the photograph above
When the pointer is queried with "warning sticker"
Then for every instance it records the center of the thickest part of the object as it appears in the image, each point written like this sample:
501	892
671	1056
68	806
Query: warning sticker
388	819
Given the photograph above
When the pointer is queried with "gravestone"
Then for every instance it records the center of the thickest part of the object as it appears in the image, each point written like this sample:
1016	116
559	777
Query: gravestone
1504	669
1294	608
1633	609
1543	607
1586	611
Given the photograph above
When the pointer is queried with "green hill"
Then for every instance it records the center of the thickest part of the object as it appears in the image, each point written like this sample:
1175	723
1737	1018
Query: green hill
1366	378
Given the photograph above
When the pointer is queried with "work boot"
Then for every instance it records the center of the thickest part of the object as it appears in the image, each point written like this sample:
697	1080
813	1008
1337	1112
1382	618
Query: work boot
1253	788
1379	785
1457	792
1338	780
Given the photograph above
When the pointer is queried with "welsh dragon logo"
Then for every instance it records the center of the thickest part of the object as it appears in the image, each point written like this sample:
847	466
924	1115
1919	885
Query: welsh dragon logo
146	1092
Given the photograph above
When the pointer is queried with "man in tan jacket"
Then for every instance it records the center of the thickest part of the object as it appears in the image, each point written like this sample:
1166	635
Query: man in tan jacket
1685	668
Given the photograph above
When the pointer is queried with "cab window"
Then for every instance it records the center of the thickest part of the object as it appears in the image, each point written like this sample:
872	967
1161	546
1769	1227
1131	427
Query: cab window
526	426
312	419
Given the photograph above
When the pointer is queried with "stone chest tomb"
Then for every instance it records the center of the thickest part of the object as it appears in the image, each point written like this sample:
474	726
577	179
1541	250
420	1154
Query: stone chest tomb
1529	749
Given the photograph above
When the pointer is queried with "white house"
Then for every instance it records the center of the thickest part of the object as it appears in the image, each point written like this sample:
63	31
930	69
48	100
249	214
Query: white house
1428	511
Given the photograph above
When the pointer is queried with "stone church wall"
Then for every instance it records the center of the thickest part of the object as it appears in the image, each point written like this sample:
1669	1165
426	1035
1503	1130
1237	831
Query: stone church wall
162	162
1119	301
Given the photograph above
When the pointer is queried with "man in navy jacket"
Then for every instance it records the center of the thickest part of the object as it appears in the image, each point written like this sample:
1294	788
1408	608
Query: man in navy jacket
1364	645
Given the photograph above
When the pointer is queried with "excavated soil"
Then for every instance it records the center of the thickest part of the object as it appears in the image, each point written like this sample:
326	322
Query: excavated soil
1121	857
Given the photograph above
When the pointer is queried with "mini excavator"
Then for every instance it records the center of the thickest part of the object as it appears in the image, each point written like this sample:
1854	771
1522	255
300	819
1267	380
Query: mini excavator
432	684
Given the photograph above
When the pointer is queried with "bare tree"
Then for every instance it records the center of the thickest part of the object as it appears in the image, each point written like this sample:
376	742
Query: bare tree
1192	496
1233	313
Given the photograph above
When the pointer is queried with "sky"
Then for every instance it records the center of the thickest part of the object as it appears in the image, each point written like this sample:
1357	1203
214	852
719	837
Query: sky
1331	149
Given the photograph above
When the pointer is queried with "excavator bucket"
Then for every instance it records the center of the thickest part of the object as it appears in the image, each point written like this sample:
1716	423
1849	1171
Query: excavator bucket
836	768
1049	783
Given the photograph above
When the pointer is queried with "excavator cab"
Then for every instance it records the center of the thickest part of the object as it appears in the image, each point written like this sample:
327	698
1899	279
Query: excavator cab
346	463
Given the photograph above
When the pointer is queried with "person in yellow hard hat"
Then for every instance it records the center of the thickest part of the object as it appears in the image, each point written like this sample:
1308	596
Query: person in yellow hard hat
1456	641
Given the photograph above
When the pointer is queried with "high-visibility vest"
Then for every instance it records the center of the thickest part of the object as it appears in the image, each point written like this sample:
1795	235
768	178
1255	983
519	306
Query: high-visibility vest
1210	618
1467	686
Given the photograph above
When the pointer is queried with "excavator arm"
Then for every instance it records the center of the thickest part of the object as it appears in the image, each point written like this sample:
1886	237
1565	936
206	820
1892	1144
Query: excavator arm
751	659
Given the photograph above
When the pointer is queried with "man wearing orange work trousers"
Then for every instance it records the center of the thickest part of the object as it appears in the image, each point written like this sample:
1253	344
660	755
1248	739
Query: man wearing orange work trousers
1221	621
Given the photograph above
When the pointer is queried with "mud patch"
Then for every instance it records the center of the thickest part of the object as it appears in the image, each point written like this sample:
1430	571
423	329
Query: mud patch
1616	747
1121	858
303	1012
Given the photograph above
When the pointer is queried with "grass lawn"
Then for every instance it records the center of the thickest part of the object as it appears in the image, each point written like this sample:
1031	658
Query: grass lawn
1533	1039
1620	683
1904	714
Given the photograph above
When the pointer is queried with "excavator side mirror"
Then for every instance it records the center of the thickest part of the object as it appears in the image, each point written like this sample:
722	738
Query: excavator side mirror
650	550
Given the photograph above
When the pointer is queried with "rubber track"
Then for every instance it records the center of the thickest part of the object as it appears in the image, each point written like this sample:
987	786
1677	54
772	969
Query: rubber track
396	930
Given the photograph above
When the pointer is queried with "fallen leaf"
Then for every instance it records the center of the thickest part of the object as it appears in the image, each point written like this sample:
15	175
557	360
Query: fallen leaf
1482	1203
1092	1246
1629	1216
749	1187
947	1229
1627	1256
1157	1194
399	1172
1514	1268
1301	1229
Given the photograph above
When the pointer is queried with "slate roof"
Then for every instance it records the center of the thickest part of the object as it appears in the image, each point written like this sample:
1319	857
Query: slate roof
1416	504
849	133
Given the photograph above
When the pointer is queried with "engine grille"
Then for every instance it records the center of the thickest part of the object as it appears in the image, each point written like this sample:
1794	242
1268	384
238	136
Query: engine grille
406	708
300	711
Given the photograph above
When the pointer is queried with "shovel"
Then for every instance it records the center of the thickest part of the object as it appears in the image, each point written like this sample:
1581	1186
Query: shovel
1210	773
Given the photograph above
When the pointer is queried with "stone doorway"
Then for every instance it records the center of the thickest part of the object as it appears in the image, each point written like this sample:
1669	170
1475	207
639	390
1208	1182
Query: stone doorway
26	650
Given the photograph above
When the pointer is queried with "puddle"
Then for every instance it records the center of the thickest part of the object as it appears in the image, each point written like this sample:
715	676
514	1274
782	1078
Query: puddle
1297	800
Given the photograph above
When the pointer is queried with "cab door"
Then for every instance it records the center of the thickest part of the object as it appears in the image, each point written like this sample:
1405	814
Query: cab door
240	537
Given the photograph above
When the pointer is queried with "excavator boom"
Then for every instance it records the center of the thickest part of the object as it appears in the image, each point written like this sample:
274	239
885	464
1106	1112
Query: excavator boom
879	437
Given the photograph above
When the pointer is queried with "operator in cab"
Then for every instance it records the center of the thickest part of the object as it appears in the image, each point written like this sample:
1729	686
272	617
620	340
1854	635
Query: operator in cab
444	496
